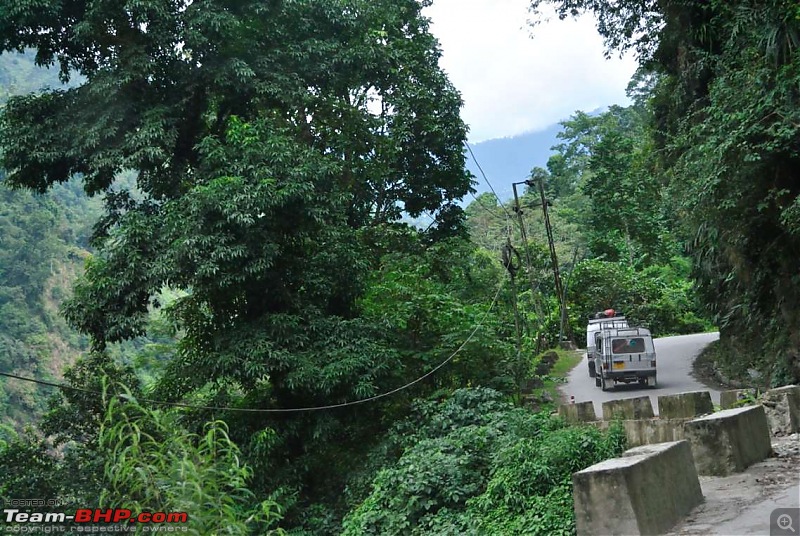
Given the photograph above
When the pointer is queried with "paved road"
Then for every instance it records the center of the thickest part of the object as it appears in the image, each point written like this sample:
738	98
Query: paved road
743	503
675	356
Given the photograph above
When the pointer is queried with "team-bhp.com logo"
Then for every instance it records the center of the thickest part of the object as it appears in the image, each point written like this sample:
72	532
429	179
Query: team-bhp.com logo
94	515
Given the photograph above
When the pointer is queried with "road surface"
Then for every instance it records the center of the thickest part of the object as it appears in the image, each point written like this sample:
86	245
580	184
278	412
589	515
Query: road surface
675	356
745	503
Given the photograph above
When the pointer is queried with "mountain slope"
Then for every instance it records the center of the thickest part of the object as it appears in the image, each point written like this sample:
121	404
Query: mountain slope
509	160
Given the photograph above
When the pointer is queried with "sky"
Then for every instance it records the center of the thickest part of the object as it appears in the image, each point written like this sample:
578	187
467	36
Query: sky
516	79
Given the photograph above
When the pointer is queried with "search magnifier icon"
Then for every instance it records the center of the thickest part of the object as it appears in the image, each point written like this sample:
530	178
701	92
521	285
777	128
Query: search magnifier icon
785	523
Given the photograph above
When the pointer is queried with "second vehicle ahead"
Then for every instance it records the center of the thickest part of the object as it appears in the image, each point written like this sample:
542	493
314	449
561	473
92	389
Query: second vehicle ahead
602	320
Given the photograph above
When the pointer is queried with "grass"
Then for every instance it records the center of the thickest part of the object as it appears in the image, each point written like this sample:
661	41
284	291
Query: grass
567	360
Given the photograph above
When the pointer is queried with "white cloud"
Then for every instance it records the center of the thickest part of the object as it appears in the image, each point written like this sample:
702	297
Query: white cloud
514	78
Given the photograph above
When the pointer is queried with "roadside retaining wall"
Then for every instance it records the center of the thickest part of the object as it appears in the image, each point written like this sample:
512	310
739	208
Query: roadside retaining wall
646	491
648	431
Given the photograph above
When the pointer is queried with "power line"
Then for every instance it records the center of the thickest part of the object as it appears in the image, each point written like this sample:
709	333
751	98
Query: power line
283	410
509	223
49	384
486	208
486	179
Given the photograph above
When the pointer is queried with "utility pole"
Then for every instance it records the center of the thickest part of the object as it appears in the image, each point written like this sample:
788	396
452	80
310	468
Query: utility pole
524	235
566	289
508	260
554	259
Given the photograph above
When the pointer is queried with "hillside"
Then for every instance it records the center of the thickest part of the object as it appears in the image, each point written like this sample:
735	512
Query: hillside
509	160
43	242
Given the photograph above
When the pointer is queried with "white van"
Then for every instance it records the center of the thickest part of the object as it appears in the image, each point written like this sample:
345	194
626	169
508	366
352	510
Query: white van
596	323
624	355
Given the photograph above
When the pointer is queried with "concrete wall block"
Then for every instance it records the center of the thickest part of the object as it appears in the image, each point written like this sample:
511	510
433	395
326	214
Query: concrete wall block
685	405
782	406
729	399
628	408
649	431
646	491
729	441
578	412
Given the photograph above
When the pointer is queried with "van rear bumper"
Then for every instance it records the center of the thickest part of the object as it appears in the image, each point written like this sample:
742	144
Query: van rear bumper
630	374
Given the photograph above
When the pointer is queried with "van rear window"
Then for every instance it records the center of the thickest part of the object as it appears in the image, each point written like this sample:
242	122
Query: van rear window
634	345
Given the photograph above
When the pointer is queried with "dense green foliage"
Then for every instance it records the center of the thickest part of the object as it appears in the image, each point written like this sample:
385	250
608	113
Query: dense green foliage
42	246
44	240
473	464
616	237
274	148
155	464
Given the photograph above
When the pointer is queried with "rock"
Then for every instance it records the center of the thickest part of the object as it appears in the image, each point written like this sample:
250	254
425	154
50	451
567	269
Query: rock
782	406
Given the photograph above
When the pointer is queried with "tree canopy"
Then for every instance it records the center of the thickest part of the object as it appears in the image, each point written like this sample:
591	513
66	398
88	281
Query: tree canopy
270	141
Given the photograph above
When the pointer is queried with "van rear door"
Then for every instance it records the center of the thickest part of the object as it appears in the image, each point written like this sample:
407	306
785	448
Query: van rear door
632	351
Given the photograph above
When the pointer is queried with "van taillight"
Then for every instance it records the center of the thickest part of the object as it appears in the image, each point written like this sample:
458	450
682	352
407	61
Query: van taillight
653	363
605	366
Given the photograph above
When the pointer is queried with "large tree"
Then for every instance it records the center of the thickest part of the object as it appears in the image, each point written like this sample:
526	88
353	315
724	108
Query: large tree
271	141
276	145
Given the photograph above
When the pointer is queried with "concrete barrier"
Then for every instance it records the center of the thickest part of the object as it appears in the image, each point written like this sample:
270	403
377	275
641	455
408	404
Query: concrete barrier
649	431
628	408
579	412
730	399
729	441
646	491
685	405
782	406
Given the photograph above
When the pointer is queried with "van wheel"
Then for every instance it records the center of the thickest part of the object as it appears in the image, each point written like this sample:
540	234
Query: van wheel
603	385
597	381
591	370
